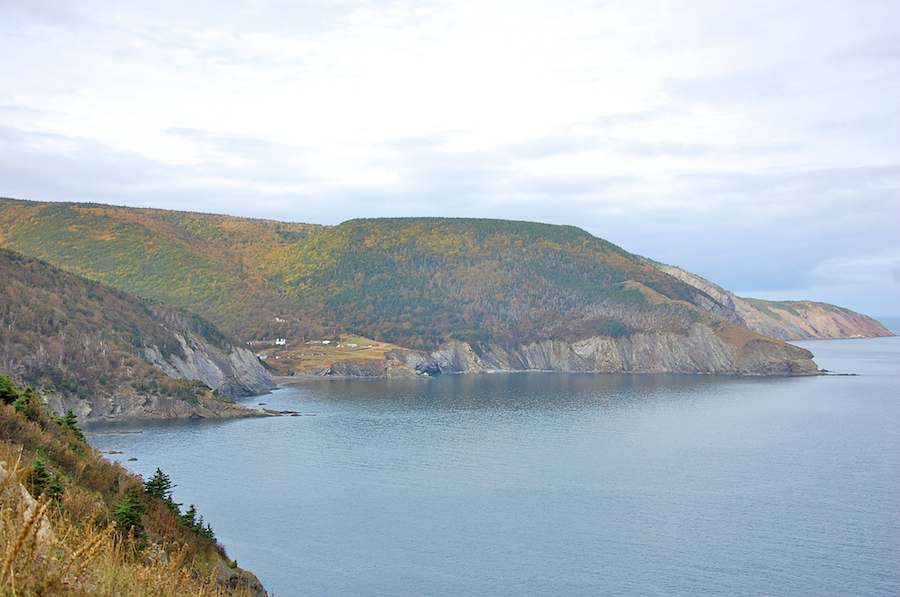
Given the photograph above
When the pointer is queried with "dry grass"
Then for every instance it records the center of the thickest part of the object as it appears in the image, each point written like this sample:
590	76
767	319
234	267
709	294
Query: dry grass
71	545
86	559
303	358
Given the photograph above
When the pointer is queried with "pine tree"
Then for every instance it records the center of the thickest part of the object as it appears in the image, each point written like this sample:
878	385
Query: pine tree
160	486
70	422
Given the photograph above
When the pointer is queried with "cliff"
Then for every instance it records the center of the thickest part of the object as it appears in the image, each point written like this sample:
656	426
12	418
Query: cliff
700	350
120	407
786	320
231	370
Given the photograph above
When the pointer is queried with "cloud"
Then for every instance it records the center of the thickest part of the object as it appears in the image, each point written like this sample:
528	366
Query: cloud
54	11
730	87
881	48
750	143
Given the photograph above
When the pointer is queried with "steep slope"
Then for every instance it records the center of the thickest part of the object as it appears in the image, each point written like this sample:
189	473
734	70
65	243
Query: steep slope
90	343
787	320
75	524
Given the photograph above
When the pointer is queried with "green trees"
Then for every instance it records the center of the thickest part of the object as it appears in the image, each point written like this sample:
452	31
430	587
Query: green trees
41	482
70	422
160	486
195	523
8	389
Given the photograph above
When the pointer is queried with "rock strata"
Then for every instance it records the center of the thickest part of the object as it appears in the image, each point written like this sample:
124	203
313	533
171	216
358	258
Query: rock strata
234	371
120	407
784	320
700	350
392	368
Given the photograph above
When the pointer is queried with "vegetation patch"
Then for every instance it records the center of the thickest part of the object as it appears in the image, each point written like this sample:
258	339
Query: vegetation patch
95	529
613	328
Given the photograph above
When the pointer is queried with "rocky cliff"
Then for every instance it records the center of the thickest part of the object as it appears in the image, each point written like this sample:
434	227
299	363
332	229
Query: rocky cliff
701	350
231	370
785	320
105	352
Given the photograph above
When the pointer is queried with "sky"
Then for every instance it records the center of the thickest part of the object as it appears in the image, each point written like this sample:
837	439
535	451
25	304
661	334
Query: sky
754	143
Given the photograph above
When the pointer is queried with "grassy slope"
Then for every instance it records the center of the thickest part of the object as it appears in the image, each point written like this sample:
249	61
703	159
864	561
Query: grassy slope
87	546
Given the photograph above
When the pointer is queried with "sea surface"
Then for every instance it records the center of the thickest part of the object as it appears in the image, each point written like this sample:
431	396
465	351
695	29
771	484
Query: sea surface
537	484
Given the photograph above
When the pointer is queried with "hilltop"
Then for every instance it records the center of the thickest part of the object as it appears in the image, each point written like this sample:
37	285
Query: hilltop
204	264
450	294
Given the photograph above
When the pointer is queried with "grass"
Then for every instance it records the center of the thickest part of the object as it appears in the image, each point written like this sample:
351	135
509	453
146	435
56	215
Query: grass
302	358
65	537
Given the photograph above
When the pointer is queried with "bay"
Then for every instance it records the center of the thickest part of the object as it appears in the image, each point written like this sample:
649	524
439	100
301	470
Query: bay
555	484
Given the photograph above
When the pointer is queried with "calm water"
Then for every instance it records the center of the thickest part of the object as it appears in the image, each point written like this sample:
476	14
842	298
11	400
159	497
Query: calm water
549	484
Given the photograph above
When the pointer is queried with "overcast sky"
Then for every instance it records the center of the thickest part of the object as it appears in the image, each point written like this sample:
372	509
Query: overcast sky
754	143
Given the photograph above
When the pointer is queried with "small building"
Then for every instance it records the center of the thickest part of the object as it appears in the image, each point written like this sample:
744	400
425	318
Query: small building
280	341
262	356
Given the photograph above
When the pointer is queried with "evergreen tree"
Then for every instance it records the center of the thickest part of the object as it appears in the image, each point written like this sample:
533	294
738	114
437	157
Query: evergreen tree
160	486
9	392
70	422
38	478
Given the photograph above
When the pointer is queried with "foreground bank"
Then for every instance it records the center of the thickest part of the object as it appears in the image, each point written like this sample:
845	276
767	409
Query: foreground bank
75	524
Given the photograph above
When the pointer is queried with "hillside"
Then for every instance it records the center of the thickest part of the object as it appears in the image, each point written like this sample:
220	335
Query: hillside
100	348
419	283
201	263
416	281
74	524
787	320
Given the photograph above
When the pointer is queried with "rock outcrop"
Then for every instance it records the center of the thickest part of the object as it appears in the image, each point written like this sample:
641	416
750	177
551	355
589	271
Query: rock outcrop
701	350
238	582
784	320
232	370
121	407
392	368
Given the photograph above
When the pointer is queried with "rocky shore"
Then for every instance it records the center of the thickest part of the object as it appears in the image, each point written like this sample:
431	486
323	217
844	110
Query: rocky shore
121	407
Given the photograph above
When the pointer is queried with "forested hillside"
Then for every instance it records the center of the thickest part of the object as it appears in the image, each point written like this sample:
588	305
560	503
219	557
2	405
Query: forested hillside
414	282
83	339
205	264
419	282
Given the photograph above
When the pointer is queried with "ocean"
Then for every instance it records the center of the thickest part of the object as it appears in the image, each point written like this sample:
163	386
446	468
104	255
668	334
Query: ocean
534	484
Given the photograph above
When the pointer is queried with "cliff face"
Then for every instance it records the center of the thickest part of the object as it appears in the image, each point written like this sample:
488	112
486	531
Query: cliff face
786	320
232	370
700	350
391	368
